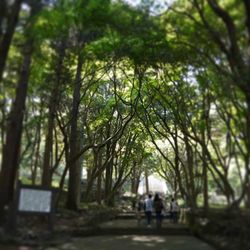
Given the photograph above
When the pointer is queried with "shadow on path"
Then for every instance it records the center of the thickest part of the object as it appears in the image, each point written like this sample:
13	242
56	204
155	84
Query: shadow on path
140	242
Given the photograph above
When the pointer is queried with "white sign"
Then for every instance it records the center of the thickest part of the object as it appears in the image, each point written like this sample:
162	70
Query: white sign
33	200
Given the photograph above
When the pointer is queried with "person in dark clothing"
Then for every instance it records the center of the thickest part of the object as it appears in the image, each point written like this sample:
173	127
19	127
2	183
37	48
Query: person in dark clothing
158	206
140	208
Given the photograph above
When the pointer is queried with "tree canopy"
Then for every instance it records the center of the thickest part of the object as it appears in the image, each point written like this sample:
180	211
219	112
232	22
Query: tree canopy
123	91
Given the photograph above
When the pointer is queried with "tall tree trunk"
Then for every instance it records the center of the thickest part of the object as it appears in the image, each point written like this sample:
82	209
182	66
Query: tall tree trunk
247	200
65	171
247	163
108	181
37	155
109	174
204	157
73	198
205	183
134	179
146	182
2	125
138	182
5	40
99	178
54	99
11	149
99	189
177	165
110	150
190	177
3	11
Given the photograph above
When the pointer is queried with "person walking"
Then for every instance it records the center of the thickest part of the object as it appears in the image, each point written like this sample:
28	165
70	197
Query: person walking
148	207
158	206
174	209
140	205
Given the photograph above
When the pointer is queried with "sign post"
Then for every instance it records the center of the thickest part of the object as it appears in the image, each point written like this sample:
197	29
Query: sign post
33	200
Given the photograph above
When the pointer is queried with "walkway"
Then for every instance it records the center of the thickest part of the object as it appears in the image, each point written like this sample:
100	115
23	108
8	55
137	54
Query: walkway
125	233
137	242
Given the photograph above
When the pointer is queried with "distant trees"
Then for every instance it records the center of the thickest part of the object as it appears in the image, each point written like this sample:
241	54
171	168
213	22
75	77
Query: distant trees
220	63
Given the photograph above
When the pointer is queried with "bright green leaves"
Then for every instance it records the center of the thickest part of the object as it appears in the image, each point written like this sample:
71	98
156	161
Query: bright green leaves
134	35
54	23
104	47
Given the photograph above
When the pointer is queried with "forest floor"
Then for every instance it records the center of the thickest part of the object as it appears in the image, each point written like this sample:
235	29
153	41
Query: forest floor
227	230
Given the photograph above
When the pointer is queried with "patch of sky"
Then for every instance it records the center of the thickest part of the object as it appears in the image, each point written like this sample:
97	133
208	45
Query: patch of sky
155	7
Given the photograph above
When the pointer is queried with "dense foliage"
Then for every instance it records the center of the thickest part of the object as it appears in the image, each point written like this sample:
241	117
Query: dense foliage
122	92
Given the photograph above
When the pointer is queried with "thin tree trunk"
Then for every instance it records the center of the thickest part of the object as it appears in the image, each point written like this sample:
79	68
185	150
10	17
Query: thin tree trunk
146	182
247	163
54	99
134	179
99	178
73	198
2	126
177	164
190	177
33	155
204	158
65	171
205	184
109	167
99	189
37	155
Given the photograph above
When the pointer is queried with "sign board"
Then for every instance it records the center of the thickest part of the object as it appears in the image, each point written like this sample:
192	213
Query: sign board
34	200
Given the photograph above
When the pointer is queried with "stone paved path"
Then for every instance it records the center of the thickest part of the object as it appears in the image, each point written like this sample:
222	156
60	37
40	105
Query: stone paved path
137	242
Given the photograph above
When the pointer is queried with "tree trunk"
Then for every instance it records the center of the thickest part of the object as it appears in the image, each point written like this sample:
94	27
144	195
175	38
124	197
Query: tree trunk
99	189
146	182
11	149
5	40
108	181
205	185
54	99
247	203
65	171
3	11
190	177
134	179
247	200
204	158
177	165
2	125
73	198
35	153
110	149
99	178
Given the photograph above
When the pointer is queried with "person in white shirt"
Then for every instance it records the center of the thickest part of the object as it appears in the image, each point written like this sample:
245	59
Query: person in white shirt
148	207
174	209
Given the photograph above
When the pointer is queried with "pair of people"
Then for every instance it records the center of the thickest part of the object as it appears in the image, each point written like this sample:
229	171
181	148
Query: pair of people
150	205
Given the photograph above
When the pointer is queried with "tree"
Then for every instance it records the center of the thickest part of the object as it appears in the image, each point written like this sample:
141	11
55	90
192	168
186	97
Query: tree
11	149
